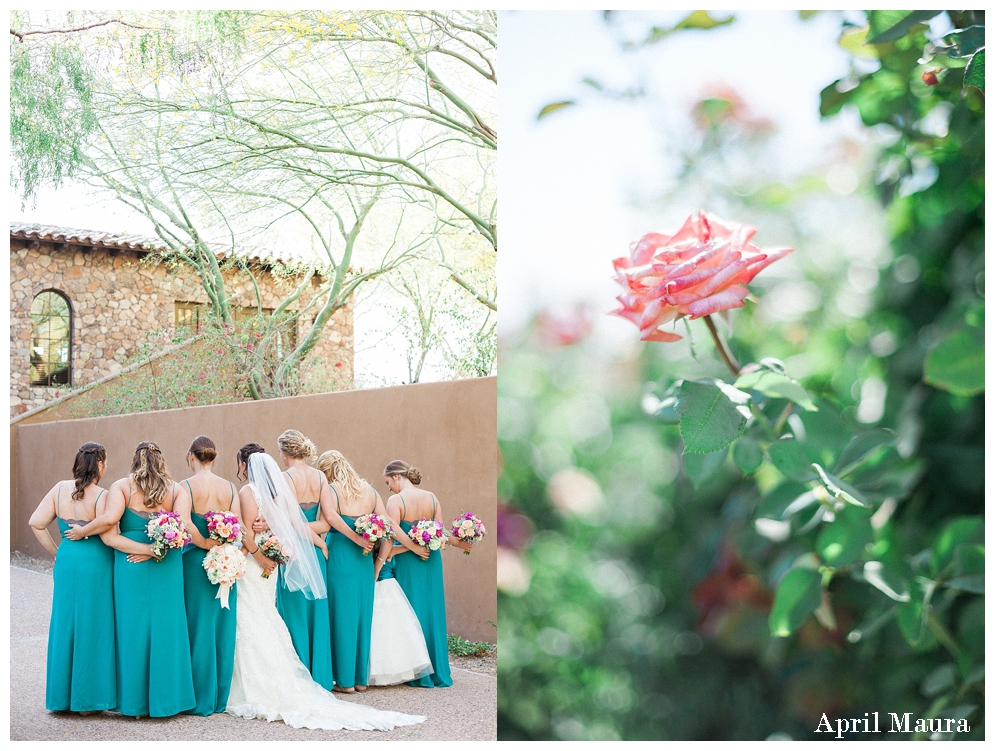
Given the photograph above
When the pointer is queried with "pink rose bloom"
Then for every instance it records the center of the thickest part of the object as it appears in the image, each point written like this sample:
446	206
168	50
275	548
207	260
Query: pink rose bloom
700	270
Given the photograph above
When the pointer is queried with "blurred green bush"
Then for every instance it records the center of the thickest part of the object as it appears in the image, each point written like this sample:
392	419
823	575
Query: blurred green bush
742	594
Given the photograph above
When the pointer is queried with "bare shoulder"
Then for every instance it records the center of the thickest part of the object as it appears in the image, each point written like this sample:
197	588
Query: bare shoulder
121	484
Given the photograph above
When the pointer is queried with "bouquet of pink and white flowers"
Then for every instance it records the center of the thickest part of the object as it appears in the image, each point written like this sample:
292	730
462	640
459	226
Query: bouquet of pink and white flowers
469	528
224	564
271	547
223	526
374	528
429	533
166	530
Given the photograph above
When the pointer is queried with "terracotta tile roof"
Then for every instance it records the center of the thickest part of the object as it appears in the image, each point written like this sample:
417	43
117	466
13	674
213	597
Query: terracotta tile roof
122	240
89	237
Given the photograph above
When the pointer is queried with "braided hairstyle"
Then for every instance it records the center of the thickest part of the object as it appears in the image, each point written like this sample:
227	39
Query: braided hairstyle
397	467
85	467
149	473
297	445
338	469
243	457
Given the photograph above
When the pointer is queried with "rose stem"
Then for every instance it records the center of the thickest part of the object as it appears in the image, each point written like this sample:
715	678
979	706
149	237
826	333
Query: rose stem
724	353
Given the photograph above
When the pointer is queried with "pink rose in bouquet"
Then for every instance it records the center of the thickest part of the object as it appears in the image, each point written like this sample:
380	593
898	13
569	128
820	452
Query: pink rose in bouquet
469	528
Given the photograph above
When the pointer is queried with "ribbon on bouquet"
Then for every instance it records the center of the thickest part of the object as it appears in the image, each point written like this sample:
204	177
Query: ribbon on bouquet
223	590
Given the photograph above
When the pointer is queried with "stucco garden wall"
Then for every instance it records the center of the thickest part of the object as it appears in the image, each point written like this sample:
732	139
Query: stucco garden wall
448	430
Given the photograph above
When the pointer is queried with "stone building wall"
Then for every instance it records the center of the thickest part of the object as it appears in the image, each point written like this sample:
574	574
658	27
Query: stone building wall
118	299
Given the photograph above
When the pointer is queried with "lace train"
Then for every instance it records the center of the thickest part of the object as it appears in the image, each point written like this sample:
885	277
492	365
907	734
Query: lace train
271	683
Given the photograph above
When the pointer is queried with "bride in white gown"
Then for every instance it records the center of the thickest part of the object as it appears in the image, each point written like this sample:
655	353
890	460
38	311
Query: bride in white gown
269	680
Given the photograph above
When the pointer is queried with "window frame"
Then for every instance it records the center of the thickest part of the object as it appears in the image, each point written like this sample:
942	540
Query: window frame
70	342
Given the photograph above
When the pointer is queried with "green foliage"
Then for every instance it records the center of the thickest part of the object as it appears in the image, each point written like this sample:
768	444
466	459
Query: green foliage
957	363
51	118
798	595
712	415
462	648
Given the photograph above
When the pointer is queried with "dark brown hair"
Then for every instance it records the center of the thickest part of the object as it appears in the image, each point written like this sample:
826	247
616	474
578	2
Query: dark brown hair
148	470
204	449
243	457
397	467
85	466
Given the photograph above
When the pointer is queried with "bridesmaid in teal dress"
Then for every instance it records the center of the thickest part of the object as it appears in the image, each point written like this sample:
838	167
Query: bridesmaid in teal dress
154	677
211	627
81	670
420	580
351	575
307	620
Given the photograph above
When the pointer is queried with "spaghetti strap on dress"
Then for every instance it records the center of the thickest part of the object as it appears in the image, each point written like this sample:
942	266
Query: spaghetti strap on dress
308	620
81	670
422	583
211	627
351	580
154	675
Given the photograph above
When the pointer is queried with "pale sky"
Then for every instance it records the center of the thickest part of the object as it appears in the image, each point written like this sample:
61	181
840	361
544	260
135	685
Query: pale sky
566	181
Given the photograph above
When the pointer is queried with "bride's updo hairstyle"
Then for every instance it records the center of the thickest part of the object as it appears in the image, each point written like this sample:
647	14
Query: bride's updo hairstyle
296	445
203	449
397	467
243	457
149	473
85	467
338	469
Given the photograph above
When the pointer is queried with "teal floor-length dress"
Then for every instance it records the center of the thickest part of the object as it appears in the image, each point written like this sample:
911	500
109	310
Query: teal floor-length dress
153	649
421	582
211	630
351	581
81	673
307	620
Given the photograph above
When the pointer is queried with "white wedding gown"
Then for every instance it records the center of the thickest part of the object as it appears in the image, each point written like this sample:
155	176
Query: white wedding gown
271	683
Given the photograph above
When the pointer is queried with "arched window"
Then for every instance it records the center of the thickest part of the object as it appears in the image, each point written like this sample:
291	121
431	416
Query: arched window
51	339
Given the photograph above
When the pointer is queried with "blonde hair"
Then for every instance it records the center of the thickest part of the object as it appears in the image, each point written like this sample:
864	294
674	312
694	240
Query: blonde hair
295	444
338	469
397	467
149	473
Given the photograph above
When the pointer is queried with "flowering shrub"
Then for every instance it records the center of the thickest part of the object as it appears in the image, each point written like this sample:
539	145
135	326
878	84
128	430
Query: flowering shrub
690	548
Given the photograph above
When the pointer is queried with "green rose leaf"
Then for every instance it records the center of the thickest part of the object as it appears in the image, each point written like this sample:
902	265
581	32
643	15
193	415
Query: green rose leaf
710	418
940	680
700	467
799	593
787	456
785	500
957	363
964	531
551	108
969	569
963	43
975	73
839	489
860	448
889	25
831	99
887	580
841	542
699	19
912	616
747	455
777	386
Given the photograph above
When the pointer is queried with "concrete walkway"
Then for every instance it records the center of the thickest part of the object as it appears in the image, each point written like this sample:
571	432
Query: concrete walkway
466	711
